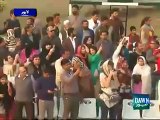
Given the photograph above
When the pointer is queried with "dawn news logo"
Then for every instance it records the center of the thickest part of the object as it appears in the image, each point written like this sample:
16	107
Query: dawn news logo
141	101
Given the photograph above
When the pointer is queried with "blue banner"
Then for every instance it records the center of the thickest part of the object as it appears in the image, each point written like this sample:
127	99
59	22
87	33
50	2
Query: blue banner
25	12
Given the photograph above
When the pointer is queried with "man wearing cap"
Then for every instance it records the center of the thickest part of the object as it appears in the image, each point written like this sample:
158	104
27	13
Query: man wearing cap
70	90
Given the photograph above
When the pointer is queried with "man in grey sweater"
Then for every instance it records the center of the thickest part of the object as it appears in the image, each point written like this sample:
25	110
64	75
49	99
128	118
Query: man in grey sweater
24	94
107	46
70	90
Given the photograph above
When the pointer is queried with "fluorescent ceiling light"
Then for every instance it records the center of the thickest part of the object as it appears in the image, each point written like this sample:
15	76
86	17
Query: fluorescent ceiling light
119	3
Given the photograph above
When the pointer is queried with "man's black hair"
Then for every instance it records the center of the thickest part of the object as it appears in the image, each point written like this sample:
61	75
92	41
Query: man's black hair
103	18
95	12
49	18
132	28
11	11
70	31
65	61
45	70
102	31
75	6
56	14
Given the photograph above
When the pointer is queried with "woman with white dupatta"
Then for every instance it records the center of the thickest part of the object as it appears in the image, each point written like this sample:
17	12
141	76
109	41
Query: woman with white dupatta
109	97
143	69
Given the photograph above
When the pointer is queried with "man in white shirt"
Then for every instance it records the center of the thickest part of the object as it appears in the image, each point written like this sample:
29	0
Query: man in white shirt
65	55
94	23
59	70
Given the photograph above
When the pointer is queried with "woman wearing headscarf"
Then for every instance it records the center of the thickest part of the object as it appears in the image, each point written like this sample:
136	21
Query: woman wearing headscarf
85	78
82	52
47	57
143	69
109	97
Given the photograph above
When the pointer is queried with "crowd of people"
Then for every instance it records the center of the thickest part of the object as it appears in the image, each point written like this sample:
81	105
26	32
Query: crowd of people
75	59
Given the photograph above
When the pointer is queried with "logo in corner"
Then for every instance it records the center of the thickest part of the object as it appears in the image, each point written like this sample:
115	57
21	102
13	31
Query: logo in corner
25	12
141	101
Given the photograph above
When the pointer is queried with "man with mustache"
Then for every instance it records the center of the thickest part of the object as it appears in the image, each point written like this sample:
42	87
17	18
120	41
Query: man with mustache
75	19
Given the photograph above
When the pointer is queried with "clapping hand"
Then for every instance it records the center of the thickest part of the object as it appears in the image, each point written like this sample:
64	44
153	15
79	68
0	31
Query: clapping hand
52	50
27	62
17	57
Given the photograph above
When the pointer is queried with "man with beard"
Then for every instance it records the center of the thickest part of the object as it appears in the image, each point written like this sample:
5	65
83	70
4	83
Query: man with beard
84	31
75	19
117	25
139	51
71	43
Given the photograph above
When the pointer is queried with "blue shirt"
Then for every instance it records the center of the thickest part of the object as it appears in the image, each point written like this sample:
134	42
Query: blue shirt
42	87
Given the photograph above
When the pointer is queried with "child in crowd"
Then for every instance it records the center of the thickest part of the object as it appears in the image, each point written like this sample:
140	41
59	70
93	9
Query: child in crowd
133	37
137	84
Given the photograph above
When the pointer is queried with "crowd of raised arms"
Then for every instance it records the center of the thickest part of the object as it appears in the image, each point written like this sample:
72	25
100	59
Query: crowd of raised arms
75	59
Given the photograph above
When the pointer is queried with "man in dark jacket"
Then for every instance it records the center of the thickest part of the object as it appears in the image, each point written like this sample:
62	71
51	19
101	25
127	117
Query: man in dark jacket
12	23
54	40
133	56
84	31
45	90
